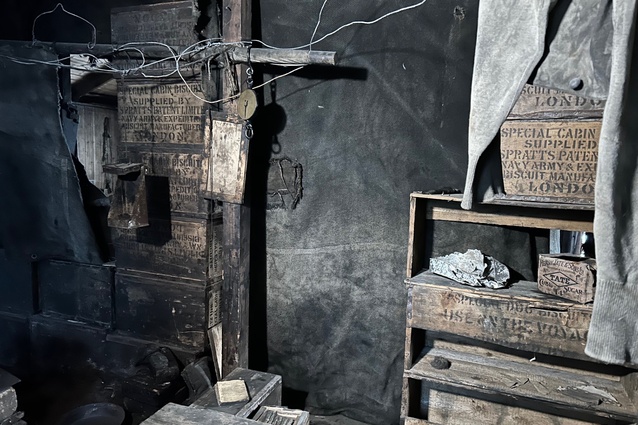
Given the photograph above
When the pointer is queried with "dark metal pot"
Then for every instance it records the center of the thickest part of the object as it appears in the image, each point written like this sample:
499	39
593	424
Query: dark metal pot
94	414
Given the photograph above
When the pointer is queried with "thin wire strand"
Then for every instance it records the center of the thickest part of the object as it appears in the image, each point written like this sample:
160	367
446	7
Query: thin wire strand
93	41
330	34
318	22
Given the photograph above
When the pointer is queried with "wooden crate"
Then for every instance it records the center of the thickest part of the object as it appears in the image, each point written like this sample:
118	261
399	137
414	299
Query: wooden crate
82	292
549	146
171	22
541	103
182	246
161	112
506	355
506	387
544	160
160	308
519	317
264	389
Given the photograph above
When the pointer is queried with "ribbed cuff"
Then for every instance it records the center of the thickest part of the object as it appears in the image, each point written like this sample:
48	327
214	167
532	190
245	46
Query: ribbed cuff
613	331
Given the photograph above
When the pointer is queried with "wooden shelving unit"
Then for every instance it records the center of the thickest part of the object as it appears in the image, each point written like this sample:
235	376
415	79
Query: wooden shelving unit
509	356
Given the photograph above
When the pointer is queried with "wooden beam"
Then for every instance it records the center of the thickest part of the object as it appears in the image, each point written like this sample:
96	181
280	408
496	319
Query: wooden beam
236	26
284	56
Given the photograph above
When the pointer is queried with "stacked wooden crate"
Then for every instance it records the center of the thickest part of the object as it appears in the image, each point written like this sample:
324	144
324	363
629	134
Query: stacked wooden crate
509	356
549	147
167	271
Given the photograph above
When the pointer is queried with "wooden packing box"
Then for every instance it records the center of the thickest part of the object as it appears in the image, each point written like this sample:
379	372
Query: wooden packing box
161	113
171	23
82	292
506	387
544	160
160	308
549	146
181	246
518	317
264	389
541	103
567	276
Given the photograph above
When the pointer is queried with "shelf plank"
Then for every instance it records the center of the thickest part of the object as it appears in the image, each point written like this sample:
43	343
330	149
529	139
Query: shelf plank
529	221
449	408
509	201
415	421
495	376
518	317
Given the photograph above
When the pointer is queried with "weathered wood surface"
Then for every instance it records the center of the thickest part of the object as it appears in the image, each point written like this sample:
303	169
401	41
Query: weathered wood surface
533	220
160	309
284	56
567	276
550	159
415	421
535	383
215	340
173	23
236	26
519	317
450	408
263	388
502	213
229	159
161	112
537	102
282	416
231	391
215	254
173	414
98	135
174	247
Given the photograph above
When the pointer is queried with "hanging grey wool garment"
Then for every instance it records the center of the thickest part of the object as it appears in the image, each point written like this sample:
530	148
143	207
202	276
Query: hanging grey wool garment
516	40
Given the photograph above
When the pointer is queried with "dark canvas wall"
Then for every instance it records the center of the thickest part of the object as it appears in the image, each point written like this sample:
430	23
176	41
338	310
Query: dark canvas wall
390	120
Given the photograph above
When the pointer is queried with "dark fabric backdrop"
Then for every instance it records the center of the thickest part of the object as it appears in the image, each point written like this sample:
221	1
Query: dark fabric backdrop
390	120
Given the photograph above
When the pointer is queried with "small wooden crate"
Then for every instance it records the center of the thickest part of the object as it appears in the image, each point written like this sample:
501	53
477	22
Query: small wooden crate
183	246
549	146
264	389
567	276
161	308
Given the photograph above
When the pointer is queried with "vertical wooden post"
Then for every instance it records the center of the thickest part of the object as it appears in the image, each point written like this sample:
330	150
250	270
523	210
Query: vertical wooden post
236	18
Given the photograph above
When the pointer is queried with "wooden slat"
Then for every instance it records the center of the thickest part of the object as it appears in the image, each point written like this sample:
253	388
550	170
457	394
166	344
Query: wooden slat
263	389
236	26
173	414
448	408
518	317
540	384
448	214
415	421
416	249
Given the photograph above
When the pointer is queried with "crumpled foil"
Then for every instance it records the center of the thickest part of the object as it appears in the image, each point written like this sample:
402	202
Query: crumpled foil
472	268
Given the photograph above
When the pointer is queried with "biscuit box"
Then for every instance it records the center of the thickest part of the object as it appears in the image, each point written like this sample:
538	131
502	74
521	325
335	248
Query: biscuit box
567	276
